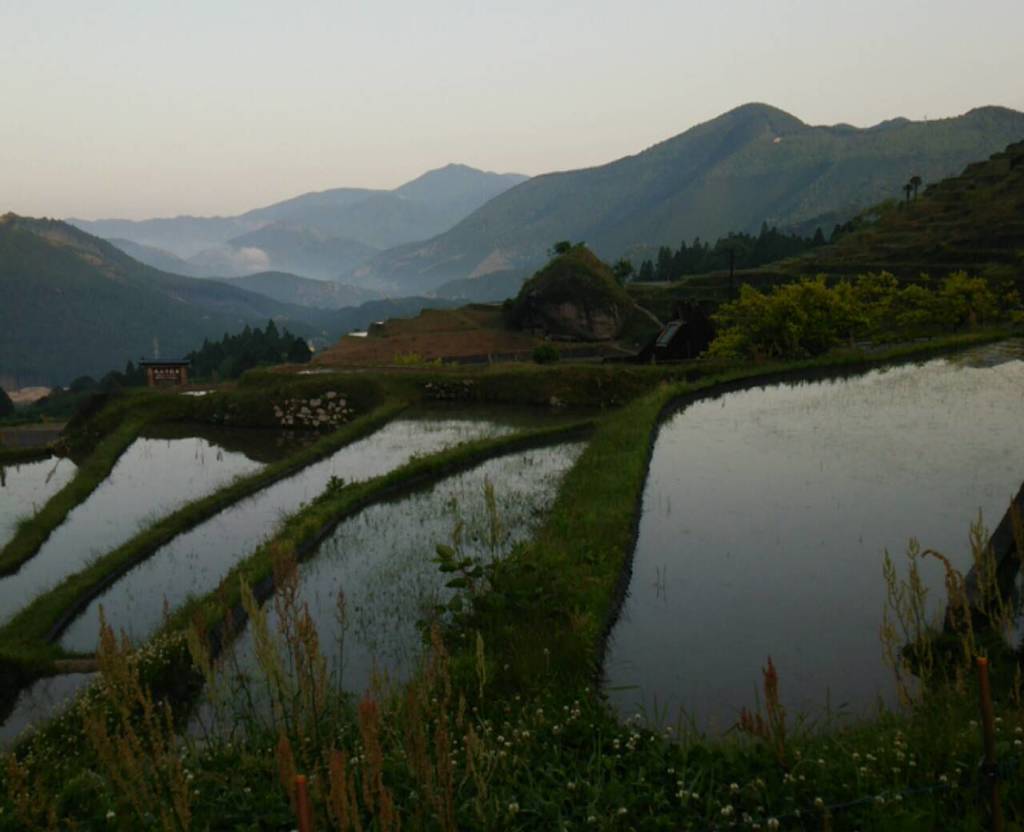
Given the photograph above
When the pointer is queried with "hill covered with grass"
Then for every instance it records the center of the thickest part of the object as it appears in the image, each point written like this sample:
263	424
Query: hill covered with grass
973	222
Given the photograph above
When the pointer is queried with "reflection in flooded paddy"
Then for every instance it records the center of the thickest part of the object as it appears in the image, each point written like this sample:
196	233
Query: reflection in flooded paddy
381	563
195	562
41	701
152	478
765	518
25	488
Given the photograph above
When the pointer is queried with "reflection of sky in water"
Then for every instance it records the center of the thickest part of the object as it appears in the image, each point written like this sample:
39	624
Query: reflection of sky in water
25	488
196	561
765	517
41	700
152	478
382	562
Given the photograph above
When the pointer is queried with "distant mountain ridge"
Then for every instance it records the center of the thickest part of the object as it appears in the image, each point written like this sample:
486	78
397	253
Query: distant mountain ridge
302	291
323	234
74	304
753	164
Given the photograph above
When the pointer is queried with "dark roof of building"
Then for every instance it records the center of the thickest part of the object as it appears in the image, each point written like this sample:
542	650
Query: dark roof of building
164	362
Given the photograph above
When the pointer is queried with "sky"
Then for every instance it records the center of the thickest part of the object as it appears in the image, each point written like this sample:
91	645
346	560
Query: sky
142	108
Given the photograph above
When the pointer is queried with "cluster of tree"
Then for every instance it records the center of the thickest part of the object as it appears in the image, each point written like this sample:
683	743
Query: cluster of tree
736	250
224	359
234	354
810	317
912	185
132	376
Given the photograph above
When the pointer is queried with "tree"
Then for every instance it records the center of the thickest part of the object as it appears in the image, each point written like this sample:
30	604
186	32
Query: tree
915	183
663	271
561	247
6	405
299	352
623	271
906	190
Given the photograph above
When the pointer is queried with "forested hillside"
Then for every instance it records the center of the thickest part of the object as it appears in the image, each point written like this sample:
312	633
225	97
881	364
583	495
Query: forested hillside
754	164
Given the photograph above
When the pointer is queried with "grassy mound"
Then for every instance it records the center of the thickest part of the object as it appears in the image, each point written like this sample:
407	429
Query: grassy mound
575	276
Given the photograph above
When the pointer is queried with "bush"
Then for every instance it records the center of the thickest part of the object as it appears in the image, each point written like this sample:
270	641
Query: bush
6	405
546	354
807	318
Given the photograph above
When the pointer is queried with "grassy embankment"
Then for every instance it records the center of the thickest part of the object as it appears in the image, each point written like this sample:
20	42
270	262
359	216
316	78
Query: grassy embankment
543	624
17	456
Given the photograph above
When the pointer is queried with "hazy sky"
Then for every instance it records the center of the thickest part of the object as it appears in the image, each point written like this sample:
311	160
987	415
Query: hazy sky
149	107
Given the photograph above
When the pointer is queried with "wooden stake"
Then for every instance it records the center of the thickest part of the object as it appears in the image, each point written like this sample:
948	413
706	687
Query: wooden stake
988	733
302	806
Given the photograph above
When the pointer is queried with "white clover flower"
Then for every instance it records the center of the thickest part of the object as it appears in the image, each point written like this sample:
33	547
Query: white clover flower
819	803
773	823
727	811
734	788
513	808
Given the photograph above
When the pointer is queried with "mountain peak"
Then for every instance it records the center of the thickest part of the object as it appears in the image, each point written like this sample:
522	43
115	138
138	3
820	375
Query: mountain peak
758	109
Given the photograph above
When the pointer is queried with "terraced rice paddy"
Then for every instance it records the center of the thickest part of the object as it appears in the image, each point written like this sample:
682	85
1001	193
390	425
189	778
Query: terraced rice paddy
195	562
765	517
152	478
25	487
374	582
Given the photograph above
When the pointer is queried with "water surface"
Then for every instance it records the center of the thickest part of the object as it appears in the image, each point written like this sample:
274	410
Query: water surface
378	566
25	488
765	517
194	563
41	701
152	478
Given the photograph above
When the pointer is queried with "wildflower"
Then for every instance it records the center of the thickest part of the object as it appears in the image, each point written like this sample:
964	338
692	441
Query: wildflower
513	808
727	811
773	823
734	788
591	819
111	814
622	810
819	803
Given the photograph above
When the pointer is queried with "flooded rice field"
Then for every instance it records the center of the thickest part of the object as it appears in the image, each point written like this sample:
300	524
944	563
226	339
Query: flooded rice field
41	701
195	562
25	488
375	577
765	517
153	477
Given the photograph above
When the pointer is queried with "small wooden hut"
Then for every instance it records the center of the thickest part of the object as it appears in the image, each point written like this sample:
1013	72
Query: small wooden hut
166	372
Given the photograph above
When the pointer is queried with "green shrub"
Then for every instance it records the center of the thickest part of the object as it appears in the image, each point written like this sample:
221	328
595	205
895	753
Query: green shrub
807	318
546	354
